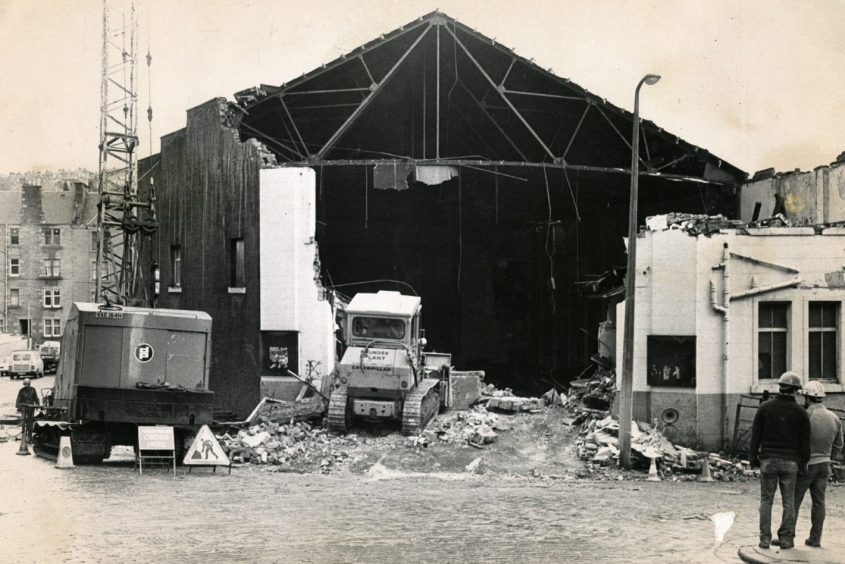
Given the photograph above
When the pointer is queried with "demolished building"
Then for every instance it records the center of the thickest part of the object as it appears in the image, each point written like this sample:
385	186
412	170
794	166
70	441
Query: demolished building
433	160
754	303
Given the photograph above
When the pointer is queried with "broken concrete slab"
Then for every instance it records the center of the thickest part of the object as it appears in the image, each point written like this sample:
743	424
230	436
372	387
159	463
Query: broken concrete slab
465	388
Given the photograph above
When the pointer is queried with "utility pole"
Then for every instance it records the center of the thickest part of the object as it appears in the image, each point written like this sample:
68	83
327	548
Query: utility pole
626	400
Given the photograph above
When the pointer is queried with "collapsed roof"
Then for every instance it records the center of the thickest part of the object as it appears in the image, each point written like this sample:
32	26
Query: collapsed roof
437	92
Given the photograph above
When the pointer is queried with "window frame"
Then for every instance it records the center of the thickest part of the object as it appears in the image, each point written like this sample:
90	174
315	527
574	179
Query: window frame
14	267
52	298
55	327
237	263
772	330
52	236
54	270
14	236
16	292
175	266
837	341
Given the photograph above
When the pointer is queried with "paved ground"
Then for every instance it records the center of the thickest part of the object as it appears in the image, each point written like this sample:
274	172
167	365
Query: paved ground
388	513
110	513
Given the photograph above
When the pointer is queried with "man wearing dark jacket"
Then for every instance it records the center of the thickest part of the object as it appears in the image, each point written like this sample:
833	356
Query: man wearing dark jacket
780	445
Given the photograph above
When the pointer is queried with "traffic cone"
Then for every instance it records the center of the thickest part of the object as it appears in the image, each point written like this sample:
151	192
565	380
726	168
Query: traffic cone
652	472
705	472
65	455
24	448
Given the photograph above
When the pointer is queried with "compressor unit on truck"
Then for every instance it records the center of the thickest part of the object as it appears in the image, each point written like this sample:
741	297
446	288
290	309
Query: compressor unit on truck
121	367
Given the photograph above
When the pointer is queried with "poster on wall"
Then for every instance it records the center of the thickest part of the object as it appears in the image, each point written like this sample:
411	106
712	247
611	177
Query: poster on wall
279	352
671	361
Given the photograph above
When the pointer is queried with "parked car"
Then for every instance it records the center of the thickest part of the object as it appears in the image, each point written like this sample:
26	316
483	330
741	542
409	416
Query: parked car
26	363
4	366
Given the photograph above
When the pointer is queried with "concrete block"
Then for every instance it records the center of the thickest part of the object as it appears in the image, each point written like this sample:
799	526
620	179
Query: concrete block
466	388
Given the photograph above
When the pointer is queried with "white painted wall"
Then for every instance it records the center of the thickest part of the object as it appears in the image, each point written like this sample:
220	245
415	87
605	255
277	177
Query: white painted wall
290	291
674	271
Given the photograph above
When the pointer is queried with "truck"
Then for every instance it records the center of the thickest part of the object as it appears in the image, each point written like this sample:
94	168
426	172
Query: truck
121	367
383	374
49	351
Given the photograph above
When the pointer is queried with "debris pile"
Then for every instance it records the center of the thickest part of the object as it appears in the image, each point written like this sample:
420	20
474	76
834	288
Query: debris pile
694	224
297	447
598	443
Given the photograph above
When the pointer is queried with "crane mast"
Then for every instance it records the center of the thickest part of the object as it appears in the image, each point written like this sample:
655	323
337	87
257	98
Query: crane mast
124	221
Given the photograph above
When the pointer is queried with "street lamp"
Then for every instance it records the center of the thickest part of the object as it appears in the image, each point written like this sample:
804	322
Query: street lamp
626	401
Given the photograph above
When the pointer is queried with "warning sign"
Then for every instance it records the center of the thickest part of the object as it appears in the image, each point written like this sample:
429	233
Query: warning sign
205	450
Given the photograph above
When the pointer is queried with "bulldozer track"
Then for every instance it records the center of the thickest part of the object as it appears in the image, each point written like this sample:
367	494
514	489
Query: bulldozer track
338	418
421	404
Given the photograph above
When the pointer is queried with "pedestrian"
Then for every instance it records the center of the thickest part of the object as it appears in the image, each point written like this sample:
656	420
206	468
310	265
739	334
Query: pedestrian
26	395
780	445
825	445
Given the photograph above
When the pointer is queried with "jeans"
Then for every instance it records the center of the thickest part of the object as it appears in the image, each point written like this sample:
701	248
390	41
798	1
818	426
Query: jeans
774	471
816	481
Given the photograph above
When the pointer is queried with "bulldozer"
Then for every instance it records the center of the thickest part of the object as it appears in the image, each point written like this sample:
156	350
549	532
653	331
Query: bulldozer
383	374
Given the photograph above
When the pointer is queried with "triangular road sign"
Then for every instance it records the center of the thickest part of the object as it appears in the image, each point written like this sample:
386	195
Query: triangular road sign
205	450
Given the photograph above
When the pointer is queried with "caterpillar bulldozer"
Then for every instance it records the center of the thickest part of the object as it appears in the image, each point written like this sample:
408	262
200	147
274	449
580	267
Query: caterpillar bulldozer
384	375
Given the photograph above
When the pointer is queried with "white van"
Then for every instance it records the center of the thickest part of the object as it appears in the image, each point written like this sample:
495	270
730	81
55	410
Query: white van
26	363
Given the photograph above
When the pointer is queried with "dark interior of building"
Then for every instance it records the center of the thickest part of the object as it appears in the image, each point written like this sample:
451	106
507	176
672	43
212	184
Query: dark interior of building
450	167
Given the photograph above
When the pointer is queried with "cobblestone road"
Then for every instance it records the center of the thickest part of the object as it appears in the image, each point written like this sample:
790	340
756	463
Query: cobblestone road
111	514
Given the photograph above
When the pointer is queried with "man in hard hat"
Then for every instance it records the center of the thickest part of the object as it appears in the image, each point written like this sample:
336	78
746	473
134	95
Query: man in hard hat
780	445
825	444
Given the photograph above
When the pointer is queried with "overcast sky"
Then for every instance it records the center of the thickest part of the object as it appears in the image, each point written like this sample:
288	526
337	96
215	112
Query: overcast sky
759	83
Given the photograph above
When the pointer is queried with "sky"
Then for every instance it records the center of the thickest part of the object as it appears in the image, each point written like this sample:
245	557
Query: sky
759	83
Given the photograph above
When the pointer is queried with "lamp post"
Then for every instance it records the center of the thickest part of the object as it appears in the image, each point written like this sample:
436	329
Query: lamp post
626	401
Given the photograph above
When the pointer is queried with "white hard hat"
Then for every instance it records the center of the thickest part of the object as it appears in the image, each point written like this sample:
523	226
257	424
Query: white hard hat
814	389
26	381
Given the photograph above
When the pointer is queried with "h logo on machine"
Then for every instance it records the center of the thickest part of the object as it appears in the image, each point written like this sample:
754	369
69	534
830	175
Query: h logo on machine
144	352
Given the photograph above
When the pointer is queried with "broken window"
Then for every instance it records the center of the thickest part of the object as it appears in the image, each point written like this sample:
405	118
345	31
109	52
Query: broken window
671	361
823	328
772	337
237	264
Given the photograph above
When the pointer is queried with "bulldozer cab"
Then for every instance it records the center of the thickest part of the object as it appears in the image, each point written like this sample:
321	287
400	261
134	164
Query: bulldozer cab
384	319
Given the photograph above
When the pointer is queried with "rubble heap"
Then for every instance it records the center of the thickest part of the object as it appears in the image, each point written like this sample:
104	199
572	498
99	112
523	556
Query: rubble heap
297	447
588	409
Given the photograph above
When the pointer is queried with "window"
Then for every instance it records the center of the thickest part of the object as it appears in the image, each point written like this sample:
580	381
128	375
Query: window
52	327
772	333
14	235
93	241
52	236
671	361
378	328
52	298
823	329
14	297
52	268
94	270
175	266
14	266
237	258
